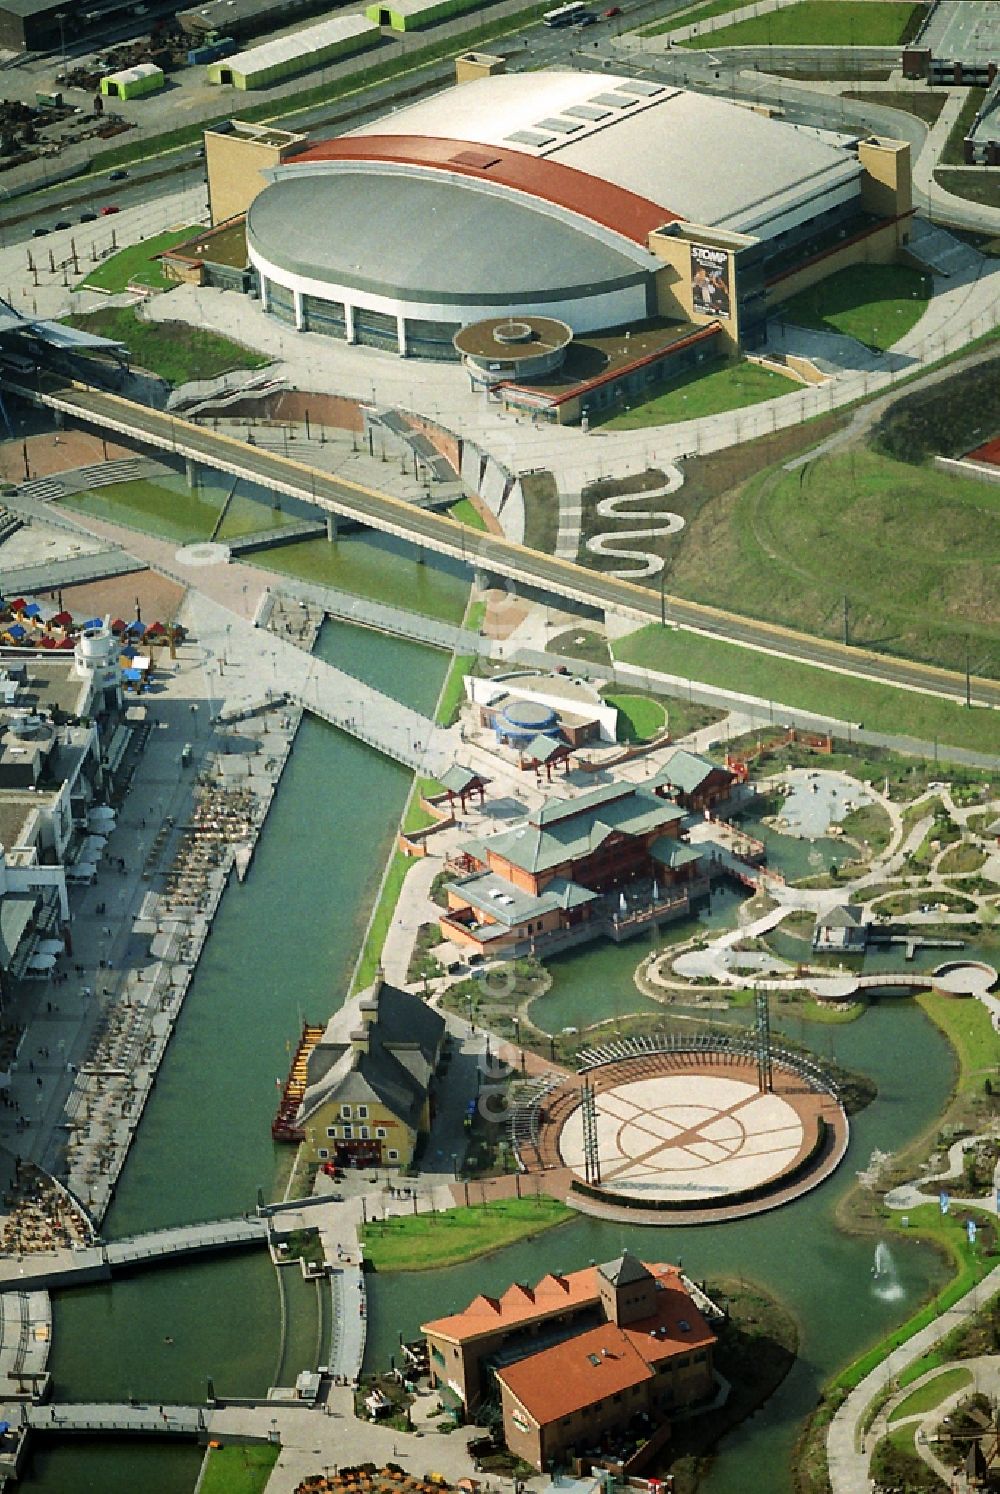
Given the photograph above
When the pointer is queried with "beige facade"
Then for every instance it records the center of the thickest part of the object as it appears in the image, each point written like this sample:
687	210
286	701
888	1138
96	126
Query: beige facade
473	65
236	156
681	246
887	183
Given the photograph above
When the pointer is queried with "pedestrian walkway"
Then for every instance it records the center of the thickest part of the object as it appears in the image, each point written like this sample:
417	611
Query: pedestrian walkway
847	1451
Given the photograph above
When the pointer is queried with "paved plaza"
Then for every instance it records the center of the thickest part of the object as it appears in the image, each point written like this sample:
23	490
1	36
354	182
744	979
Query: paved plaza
687	1136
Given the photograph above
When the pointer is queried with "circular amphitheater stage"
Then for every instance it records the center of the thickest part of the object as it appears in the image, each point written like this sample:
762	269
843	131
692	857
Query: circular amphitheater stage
689	1138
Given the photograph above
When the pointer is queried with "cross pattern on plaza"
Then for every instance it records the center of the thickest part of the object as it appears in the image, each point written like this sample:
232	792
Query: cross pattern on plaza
658	1133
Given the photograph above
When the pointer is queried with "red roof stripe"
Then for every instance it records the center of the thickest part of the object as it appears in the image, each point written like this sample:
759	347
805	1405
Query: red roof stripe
624	212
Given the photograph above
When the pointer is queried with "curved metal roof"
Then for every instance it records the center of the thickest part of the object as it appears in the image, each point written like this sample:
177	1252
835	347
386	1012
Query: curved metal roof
438	239
579	192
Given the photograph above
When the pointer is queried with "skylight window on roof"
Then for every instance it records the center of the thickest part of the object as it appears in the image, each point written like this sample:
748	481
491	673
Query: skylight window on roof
587	111
613	100
643	89
560	126
529	137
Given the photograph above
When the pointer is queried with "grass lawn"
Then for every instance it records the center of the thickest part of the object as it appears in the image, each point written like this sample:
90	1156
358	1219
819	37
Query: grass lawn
135	265
691	17
933	1393
467	514
877	304
880	707
174	511
916	553
382	918
954	147
967	1026
172	350
639	717
728	388
541	511
453	690
977	186
415	817
926	106
425	1241
238	1470
827	23
961	859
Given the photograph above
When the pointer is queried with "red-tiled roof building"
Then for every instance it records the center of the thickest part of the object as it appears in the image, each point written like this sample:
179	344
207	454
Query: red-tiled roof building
579	1359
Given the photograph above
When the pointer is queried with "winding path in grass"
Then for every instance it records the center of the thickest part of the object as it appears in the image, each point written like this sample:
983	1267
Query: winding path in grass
647	564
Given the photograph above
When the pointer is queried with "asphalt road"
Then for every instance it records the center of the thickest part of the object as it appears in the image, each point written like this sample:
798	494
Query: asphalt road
495	554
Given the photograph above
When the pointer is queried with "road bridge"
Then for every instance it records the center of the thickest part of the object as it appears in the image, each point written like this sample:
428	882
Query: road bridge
487	553
100	1262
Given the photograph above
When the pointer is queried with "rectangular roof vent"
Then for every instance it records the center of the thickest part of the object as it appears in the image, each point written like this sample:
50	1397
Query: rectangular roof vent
480	159
560	126
587	111
643	89
613	100
529	137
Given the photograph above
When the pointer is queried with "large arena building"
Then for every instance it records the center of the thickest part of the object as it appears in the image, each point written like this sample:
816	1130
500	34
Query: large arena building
597	200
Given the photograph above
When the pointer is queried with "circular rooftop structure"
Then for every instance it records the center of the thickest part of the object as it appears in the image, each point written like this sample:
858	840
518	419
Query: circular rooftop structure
526	718
513	347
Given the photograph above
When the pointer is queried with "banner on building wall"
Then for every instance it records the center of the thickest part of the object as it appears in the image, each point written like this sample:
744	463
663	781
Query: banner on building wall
710	281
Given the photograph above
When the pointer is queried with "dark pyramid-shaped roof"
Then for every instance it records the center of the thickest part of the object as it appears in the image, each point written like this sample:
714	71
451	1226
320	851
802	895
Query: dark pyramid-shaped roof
625	1270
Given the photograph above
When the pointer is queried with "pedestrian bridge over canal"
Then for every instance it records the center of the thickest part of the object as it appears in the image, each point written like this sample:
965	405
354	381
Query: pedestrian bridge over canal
100	1262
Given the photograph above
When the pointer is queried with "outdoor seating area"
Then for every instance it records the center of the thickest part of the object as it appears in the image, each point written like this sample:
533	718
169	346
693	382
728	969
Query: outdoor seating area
368	1479
223	818
42	1216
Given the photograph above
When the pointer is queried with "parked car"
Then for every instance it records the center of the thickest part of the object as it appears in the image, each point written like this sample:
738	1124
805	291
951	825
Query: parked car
589	18
88	216
612	11
63	223
118	176
108	210
38	233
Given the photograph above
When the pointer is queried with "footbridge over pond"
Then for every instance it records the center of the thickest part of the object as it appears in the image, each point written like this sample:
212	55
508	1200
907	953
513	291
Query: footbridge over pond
958	978
54	1268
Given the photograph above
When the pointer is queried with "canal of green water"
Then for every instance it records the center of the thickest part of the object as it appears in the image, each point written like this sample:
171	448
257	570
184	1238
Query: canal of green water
282	949
377	566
